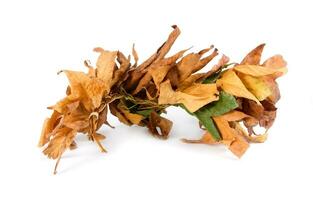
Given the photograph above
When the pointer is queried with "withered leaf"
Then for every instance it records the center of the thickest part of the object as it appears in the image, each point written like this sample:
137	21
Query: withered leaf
105	67
254	56
229	100
165	125
193	97
232	84
225	104
257	86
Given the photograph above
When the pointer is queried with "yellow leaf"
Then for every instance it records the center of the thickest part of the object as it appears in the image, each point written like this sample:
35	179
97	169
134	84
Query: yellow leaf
232	84
193	97
257	86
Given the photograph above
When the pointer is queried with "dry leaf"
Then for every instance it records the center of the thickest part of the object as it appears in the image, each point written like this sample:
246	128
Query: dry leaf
232	84
222	98
193	97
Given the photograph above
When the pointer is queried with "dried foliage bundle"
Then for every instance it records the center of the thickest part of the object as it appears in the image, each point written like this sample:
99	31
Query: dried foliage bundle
229	100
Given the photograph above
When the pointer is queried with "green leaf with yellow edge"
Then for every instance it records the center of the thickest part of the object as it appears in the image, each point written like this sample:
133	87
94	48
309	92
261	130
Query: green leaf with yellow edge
226	103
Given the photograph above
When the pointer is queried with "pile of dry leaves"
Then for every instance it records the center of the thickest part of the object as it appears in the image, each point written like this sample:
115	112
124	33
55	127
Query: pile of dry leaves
229	100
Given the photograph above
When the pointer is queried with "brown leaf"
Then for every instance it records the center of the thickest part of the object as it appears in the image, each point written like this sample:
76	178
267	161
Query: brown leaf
254	57
116	112
157	71
252	108
162	50
132	117
165	125
276	62
251	138
221	63
122	71
135	55
192	63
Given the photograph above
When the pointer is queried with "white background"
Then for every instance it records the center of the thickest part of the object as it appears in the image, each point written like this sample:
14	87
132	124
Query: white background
38	38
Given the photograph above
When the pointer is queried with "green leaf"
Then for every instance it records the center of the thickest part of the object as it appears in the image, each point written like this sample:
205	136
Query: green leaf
225	104
212	78
145	113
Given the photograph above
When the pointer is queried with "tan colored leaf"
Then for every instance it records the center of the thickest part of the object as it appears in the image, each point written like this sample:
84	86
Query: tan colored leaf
84	88
235	115
91	70
190	80
205	139
162	50
272	84
192	63
239	146
105	67
116	112
165	48
77	119
193	97
226	132
276	62
60	142
135	55
221	63
235	142
157	71
120	73
256	70
48	126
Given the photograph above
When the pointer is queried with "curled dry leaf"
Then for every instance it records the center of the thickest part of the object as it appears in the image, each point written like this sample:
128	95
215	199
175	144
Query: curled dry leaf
228	100
193	97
